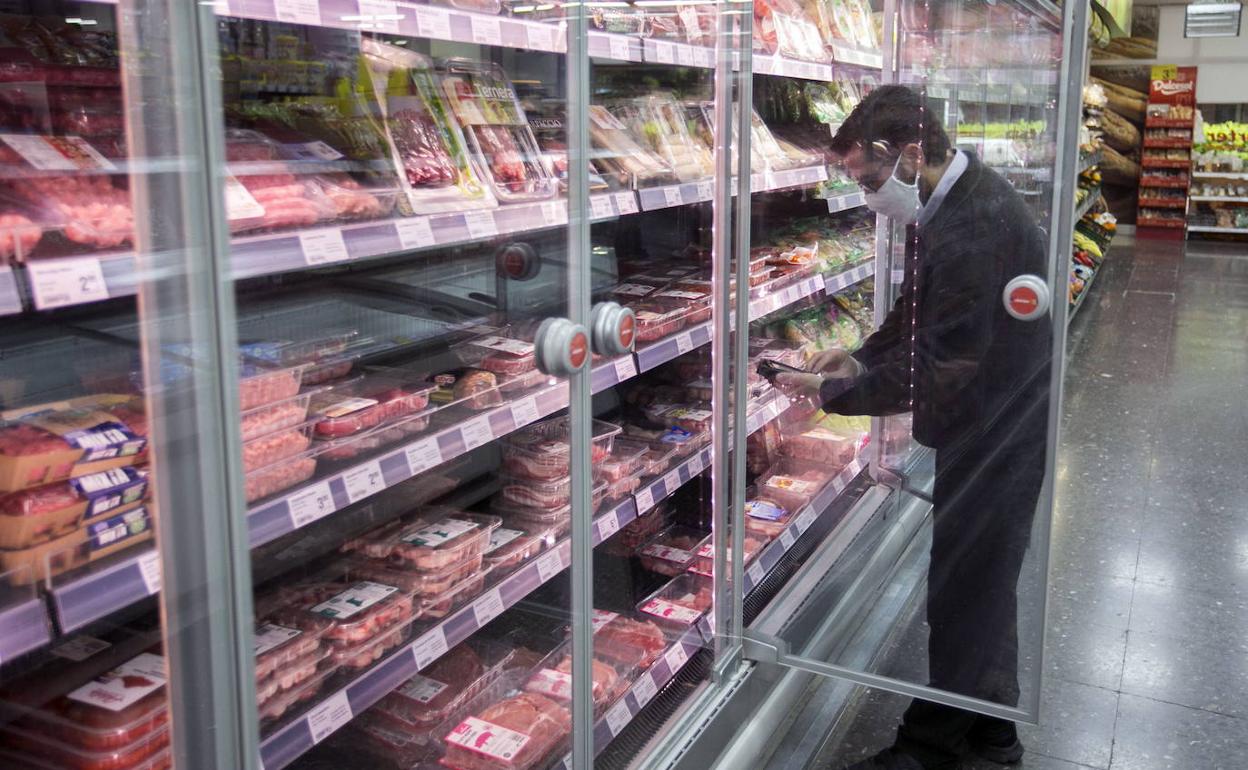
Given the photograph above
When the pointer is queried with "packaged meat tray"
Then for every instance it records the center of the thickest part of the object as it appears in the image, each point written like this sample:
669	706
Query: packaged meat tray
705	555
114	712
627	640
55	442
288	413
821	445
431	697
295	673
441	538
518	382
693	418
656	321
405	105
281	475
497	131
290	352
44	513
471	388
419	583
553	678
766	518
658	121
286	702
634	534
542	450
277	646
509	548
671	551
784	351
632	290
682	442
793	483
346	615
621	155
86	211
625	460
498	354
265	451
527	516
367	653
618	489
696	305
261	385
161	760
330	369
461	593
680	603
349	447
376	397
516	733
550	495
93	541
34	750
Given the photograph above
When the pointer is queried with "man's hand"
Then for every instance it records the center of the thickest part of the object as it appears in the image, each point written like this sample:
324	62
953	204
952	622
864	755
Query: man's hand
800	383
825	365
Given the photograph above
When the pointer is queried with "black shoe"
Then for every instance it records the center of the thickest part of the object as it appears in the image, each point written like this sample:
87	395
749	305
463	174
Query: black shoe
996	741
892	759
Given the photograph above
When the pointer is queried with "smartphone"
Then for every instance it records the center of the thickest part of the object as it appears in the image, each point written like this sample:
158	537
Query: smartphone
769	368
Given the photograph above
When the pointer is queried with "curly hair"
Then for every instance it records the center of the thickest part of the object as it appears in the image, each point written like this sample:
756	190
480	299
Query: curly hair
897	115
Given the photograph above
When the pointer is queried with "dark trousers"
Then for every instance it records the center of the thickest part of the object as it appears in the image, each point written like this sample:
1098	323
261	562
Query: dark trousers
984	500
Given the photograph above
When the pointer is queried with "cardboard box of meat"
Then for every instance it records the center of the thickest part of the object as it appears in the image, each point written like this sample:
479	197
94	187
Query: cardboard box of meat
45	513
542	451
626	640
66	439
503	146
102	537
680	603
116	719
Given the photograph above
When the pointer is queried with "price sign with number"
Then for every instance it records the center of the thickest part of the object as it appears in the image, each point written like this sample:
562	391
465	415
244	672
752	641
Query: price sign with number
429	647
487	607
684	343
298	11
664	52
487	30
549	565
644	499
608	525
149	569
620	48
618	717
676	657
363	481
322	247
63	282
524	412
423	455
671	195
555	213
481	224
328	716
308	505
476	432
626	202
600	207
787	538
414	232
433	22
755	573
380	16
644	689
625	369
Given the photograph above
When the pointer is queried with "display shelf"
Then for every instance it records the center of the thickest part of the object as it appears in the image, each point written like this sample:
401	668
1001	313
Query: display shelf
59	282
1218	199
765	64
1167	144
1153	122
981	76
1083	295
667	196
783	297
300	735
846	201
623	48
1220	174
847	278
680	54
10	297
24	626
1169	185
1088	161
1212	229
643	690
1171	224
1164	163
85	599
860	57
1162	203
1088	202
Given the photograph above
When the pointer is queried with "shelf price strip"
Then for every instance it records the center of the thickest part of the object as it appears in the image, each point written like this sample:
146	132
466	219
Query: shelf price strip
23	627
91	597
10	298
848	278
846	201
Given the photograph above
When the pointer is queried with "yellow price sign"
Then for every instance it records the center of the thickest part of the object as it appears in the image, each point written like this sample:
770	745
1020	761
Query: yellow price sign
1165	71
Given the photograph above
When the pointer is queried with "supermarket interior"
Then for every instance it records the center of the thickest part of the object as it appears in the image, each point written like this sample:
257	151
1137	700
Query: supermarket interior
425	385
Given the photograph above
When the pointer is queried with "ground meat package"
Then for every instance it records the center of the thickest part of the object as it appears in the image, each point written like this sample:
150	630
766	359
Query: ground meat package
44	513
503	145
515	733
498	354
425	140
671	551
821	445
54	442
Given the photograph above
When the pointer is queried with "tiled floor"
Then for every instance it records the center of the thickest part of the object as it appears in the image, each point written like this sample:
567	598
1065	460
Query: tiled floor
1147	656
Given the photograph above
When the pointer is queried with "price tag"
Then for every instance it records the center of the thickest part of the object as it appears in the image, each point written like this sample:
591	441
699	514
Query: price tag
308	505
433	22
804	521
329	715
620	48
671	195
429	647
755	572
555	213
63	282
481	224
684	56
664	52
549	565
672	481
676	657
487	30
298	11
608	525
423	455
645	689
363	481
540	37
787	538
625	369
644	499
600	207
379	16
618	717
694	465
524	412
626	202
322	247
149	568
80	648
476	432
706	190
415	232
684	343
487	607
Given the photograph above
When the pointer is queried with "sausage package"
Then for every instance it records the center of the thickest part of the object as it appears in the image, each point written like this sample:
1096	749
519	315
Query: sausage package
44	513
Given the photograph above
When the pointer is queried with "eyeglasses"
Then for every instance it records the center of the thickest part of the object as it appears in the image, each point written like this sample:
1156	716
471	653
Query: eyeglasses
875	174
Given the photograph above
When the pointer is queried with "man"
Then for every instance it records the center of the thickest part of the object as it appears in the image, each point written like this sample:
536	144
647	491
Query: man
977	383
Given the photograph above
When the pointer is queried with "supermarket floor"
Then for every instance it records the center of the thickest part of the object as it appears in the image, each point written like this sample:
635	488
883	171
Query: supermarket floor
1147	645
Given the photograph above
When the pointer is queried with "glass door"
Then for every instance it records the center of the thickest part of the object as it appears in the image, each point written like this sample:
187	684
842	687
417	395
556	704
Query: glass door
948	390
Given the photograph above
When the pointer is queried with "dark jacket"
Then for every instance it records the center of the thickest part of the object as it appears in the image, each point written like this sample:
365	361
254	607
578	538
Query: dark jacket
948	350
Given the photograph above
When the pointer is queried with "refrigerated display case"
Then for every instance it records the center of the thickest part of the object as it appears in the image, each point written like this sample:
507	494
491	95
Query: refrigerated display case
392	379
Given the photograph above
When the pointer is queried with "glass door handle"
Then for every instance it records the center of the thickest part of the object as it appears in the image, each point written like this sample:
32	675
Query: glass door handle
1027	297
561	347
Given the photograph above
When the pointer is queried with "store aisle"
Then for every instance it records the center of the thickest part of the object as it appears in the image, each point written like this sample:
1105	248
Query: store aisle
1147	666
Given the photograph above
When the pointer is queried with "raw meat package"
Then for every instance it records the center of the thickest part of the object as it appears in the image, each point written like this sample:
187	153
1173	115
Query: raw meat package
781	26
28	750
91	211
627	640
437	539
260	385
656	321
503	146
555	522
621	155
432	697
44	513
348	447
634	534
116	719
362	655
265	451
100	538
283	703
281	475
680	603
671	551
294	673
376	397
516	733
278	646
633	289
696	305
823	446
549	495
542	451
419	583
625	460
20	233
54	442
793	483
402	102
291	352
264	420
472	388
705	555
553	678
658	122
511	547
765	517
456	596
347	615
498	354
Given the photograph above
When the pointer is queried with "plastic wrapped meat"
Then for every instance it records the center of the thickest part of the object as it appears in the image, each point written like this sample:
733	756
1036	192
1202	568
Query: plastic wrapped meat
511	547
418	143
765	518
18	235
279	476
623	156
477	389
428	698
624	639
376	399
792	490
542	452
821	445
556	682
514	734
88	209
267	450
347	615
279	646
681	602
441	539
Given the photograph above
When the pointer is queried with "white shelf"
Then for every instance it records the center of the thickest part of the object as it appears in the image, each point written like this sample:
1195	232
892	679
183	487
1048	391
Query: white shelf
1211	229
1218	199
1220	174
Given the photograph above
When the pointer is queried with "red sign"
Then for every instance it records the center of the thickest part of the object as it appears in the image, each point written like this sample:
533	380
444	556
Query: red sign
578	350
628	327
1172	85
1024	300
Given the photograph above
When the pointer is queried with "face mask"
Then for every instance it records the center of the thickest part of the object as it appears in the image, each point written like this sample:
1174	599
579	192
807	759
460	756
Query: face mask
895	198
